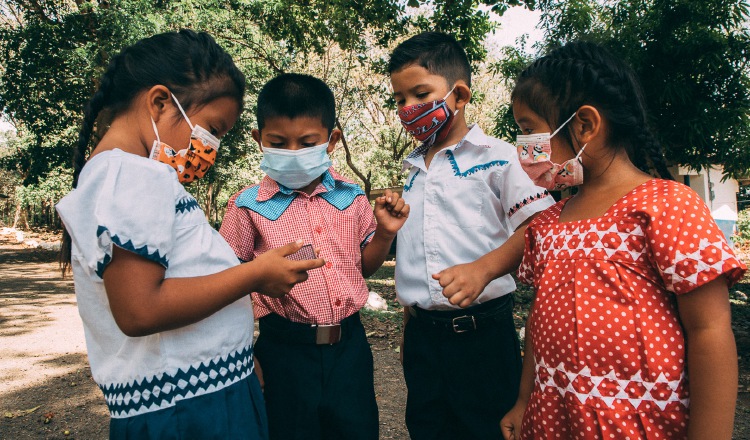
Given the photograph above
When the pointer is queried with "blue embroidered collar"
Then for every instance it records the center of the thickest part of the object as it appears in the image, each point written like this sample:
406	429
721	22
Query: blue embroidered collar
271	199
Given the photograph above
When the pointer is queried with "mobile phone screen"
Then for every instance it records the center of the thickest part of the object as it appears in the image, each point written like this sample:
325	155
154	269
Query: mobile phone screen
306	252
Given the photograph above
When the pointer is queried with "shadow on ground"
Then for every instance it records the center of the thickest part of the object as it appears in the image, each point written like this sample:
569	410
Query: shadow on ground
69	402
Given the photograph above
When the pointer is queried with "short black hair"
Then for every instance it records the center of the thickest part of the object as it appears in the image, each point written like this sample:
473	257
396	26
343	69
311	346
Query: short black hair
437	52
293	95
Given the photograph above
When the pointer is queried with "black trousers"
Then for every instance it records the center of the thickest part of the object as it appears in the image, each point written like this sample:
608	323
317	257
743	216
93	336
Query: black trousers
313	391
460	385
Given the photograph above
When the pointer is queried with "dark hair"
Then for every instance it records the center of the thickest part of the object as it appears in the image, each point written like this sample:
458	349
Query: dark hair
293	95
437	52
191	64
582	73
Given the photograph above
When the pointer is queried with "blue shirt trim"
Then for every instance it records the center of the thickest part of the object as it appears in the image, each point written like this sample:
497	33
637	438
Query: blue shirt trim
128	246
271	208
408	186
473	169
186	204
342	195
338	193
164	390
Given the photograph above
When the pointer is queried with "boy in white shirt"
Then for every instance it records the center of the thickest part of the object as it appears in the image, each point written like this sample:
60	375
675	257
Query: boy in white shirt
468	195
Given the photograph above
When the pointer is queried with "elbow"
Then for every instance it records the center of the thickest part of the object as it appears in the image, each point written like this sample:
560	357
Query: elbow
135	326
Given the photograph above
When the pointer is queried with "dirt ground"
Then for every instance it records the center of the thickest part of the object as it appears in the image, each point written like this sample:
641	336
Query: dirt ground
46	389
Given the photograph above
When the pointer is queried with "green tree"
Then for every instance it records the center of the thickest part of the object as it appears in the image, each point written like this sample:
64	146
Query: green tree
54	51
692	58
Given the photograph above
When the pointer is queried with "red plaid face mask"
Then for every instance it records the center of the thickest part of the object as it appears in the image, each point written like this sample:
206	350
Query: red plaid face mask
428	122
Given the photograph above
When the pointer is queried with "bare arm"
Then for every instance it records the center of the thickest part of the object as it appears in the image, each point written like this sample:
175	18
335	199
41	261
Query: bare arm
711	360
391	213
143	302
510	425
463	283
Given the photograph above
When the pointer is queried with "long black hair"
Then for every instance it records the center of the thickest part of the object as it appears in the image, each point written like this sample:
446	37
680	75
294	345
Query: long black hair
191	64
583	73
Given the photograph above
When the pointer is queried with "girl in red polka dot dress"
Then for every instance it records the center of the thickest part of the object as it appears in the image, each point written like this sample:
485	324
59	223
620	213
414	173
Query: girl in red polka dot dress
630	334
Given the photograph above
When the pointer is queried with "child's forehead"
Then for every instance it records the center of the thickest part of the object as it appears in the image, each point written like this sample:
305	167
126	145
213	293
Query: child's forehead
294	126
413	75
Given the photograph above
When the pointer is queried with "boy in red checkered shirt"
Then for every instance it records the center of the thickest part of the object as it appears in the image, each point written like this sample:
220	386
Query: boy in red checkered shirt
317	364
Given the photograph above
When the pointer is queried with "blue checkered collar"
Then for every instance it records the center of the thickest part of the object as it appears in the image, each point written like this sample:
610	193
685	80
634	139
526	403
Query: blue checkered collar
269	187
271	199
475	136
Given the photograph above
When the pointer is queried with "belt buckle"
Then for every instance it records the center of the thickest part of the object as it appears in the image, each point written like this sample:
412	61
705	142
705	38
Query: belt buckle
328	334
469	320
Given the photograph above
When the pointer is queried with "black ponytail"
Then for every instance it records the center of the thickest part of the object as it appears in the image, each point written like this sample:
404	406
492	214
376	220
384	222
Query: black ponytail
191	64
580	73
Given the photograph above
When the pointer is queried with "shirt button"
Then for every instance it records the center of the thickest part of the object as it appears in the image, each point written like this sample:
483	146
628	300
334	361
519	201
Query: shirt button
318	229
338	303
329	265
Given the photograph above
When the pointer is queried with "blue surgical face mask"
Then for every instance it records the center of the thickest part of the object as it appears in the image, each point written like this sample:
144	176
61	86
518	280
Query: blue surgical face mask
295	169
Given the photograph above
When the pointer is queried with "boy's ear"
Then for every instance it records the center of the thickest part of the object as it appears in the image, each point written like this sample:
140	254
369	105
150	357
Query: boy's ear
255	133
335	137
587	124
158	98
462	92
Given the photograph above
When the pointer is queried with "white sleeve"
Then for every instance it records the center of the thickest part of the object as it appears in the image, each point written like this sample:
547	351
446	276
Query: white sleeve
128	203
520	197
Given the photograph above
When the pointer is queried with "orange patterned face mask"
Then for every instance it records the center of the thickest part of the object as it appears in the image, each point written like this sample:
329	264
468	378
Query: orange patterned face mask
195	160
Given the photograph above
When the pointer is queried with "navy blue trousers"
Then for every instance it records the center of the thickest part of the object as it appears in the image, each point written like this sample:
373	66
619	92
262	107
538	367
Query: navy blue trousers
313	391
460	385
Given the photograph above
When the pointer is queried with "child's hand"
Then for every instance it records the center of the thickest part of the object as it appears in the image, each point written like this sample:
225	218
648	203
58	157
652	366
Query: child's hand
510	425
281	274
391	212
463	283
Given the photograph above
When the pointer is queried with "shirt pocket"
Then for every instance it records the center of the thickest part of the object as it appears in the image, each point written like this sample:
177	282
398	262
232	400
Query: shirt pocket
464	202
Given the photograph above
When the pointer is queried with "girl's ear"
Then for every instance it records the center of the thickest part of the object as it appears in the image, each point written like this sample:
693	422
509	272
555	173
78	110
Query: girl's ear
462	92
587	125
335	137
256	136
157	99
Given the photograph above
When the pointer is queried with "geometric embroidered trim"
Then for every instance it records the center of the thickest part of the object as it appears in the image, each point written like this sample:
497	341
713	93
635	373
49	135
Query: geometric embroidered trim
128	246
634	390
408	186
473	169
186	204
527	201
165	390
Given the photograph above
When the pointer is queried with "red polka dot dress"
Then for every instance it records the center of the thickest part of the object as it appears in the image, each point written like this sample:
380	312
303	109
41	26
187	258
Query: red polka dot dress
608	345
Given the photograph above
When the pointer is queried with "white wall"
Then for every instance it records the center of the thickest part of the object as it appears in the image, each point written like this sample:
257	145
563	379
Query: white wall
709	186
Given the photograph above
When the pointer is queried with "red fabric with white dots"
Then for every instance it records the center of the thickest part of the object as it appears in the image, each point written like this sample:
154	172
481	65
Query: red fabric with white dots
331	293
609	348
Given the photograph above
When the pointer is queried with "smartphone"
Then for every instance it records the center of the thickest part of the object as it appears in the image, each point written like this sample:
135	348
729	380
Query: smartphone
306	252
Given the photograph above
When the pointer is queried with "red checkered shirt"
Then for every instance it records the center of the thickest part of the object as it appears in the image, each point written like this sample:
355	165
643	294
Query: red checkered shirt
336	218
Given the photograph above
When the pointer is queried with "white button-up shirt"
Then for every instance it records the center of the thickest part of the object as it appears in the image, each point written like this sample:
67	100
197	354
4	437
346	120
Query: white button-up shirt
467	203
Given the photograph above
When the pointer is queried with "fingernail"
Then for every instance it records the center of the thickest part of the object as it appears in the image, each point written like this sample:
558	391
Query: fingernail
299	241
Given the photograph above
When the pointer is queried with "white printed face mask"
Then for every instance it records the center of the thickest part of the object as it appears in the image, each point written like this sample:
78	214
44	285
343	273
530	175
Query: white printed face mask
295	169
192	162
535	155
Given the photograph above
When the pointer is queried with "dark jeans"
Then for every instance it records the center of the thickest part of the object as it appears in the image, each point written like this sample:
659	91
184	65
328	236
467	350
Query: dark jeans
461	384
317	391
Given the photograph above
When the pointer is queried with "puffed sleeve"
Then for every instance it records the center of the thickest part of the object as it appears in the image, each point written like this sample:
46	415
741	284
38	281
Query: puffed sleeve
528	262
367	223
121	201
686	246
520	197
238	229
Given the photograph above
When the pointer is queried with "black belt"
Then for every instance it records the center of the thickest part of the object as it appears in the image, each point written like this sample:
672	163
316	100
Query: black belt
464	320
284	330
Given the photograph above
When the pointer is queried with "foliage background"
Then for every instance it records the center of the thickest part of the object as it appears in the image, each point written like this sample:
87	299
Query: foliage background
692	57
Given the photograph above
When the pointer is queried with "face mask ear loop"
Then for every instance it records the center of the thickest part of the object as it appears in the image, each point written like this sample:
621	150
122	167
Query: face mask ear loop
449	93
182	111
580	151
156	132
563	124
